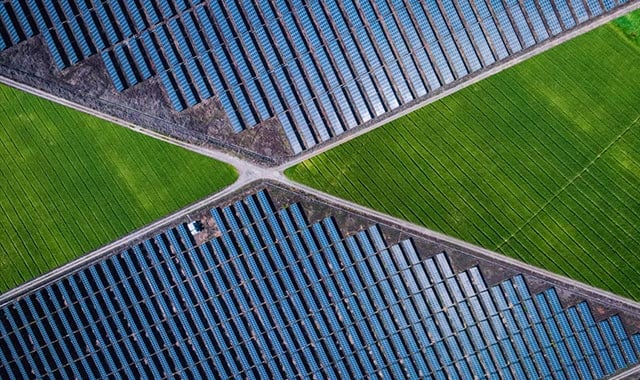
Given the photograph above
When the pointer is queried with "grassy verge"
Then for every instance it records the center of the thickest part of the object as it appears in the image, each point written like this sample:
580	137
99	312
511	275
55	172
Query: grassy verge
540	162
70	182
630	26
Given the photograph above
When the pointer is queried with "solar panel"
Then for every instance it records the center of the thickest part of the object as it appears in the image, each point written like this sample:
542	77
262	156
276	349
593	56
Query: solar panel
276	296
320	67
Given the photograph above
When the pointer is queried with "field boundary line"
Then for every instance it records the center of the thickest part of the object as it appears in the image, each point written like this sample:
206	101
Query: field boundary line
571	181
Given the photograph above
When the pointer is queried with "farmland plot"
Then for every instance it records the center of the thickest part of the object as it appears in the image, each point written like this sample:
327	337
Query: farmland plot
539	162
70	182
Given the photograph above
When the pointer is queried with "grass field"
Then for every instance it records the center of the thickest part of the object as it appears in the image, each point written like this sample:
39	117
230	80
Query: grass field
630	26
70	182
540	162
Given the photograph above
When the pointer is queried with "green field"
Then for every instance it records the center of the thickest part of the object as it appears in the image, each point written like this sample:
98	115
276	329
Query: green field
630	26
70	182
540	162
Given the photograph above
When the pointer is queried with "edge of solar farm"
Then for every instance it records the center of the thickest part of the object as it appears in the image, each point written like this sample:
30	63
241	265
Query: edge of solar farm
152	123
316	200
114	106
461	83
316	207
228	156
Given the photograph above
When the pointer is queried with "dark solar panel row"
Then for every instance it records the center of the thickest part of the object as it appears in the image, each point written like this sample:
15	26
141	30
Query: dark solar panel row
319	67
276	297
16	24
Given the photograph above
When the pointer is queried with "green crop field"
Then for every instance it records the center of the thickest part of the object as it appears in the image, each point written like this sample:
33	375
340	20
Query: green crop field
70	182
540	162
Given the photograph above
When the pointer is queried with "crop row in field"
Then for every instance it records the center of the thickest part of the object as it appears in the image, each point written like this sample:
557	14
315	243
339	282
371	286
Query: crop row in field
70	182
539	162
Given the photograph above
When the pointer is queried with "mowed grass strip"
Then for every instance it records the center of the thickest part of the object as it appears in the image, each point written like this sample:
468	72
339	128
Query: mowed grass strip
540	162
70	182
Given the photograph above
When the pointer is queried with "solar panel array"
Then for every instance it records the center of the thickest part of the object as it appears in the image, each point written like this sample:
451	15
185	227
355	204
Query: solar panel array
276	297
319	67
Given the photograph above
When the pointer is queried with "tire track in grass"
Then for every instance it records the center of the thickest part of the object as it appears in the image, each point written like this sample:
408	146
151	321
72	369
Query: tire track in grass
520	152
494	187
561	213
32	203
552	141
608	85
432	208
547	136
452	179
461	160
592	207
69	177
92	190
571	181
508	172
556	226
497	177
18	245
372	174
410	210
93	161
542	154
41	132
619	243
368	158
457	203
547	238
608	202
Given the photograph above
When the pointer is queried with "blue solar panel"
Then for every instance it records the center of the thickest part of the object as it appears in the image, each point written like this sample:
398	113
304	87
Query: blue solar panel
511	34
191	63
458	30
21	10
585	342
594	7
526	34
618	328
320	68
596	338
444	34
8	23
551	17
579	10
91	20
555	335
612	344
565	13
76	31
276	296
107	23
635	338
125	64
116	77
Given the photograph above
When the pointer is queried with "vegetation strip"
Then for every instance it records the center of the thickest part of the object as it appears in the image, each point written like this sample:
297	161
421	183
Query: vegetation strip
72	182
